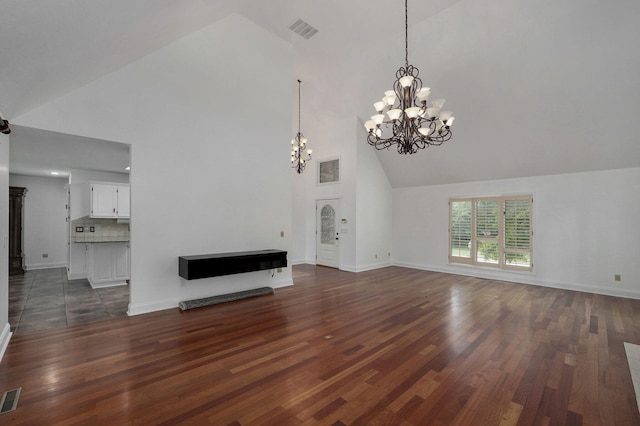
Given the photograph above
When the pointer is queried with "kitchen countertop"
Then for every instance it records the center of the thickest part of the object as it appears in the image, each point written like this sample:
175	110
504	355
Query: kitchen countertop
91	239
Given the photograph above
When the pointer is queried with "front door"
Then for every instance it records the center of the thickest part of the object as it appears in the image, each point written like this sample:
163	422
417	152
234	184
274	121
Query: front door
327	233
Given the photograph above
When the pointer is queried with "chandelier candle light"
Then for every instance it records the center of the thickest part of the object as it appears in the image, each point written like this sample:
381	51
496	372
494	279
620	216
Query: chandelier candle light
415	125
298	144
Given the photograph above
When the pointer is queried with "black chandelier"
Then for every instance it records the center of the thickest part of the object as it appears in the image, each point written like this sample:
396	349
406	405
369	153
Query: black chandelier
298	144
414	124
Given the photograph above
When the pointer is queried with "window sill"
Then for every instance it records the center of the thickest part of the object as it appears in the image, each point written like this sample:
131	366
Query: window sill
489	268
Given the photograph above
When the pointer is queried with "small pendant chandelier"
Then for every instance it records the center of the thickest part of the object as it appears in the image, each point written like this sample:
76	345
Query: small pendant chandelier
415	125
298	144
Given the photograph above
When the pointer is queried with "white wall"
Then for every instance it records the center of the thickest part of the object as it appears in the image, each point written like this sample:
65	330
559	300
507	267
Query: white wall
373	205
586	229
5	329
329	140
210	160
364	194
45	228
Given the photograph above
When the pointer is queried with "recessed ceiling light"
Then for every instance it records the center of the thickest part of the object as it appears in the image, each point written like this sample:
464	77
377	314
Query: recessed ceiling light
54	173
128	168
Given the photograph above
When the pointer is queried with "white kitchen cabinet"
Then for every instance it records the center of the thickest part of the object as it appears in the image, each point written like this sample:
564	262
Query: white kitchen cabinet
108	264
110	200
123	199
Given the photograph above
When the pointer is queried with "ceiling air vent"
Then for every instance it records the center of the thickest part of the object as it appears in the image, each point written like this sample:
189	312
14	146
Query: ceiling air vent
303	29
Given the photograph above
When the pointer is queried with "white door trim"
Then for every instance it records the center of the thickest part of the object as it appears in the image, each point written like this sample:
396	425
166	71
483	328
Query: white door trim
335	261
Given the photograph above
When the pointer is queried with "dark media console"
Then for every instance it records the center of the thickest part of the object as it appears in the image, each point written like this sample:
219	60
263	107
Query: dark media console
214	265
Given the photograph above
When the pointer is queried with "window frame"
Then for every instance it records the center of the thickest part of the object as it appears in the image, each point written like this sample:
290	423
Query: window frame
500	238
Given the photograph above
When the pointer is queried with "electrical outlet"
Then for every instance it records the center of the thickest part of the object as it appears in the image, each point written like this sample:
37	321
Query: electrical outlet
617	277
92	229
279	270
79	228
282	233
45	255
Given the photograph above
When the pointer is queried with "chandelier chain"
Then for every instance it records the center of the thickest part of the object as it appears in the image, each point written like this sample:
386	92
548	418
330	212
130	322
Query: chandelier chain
406	35
299	82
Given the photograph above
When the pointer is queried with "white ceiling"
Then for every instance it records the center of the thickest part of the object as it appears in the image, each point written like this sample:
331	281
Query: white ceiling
537	86
39	152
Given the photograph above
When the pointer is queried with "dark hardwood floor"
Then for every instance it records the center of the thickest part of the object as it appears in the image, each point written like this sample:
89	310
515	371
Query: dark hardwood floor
392	346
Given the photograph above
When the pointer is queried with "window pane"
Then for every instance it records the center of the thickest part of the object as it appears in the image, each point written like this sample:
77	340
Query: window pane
517	259
487	252
327	225
461	229
517	232
487	218
487	230
329	171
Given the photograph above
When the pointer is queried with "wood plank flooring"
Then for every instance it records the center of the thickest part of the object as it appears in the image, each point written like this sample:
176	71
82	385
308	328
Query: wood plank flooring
393	346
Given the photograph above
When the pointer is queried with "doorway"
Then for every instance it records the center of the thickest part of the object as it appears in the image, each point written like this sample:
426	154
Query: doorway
48	295
327	233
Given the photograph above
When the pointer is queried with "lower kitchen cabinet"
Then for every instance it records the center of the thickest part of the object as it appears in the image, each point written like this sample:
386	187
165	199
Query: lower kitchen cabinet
108	264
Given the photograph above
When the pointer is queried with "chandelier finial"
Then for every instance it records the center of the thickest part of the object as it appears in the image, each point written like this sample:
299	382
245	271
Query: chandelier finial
298	143
414	124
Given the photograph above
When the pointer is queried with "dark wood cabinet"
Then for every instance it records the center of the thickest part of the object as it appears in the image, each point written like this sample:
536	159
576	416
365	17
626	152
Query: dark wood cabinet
16	255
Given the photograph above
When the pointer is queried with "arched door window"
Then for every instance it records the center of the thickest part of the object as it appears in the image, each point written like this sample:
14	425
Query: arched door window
328	225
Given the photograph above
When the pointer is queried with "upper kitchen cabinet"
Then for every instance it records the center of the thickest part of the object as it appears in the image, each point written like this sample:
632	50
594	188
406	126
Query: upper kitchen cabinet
110	200
124	205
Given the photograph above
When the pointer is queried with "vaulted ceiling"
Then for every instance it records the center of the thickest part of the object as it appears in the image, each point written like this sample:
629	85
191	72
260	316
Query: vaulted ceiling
538	87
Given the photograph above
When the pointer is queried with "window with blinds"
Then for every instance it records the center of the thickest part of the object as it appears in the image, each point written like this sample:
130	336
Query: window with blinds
492	231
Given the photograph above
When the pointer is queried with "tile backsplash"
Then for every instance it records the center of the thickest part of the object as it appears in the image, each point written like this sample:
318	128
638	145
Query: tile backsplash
104	230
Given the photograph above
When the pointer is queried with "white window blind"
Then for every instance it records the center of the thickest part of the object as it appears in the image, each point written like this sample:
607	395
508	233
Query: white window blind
517	232
460	234
491	231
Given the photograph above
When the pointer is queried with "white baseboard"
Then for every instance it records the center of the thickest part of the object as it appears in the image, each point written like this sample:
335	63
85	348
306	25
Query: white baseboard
76	275
36	266
146	308
372	266
282	283
4	339
348	268
108	284
522	278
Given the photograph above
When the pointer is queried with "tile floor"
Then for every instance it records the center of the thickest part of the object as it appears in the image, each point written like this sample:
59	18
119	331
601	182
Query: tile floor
44	298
